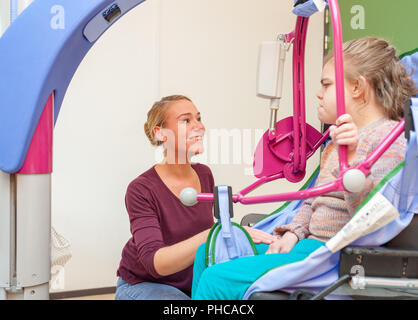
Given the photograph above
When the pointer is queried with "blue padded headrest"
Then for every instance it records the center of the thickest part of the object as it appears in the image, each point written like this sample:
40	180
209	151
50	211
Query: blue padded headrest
410	61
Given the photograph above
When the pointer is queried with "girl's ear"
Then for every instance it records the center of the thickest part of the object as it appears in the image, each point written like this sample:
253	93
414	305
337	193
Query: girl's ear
359	87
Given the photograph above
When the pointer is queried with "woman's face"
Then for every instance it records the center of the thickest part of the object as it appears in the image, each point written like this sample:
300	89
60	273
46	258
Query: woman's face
327	108
184	131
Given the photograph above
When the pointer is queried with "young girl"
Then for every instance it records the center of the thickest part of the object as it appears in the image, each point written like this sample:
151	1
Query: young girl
157	261
376	87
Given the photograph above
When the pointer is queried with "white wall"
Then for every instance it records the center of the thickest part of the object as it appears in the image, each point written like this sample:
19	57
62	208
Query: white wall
99	147
204	49
4	16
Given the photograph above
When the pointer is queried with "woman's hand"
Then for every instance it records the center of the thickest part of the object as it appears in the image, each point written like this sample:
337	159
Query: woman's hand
345	132
283	244
259	236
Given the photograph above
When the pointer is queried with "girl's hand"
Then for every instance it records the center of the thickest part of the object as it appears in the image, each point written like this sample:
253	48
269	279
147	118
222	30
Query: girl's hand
345	132
259	236
283	244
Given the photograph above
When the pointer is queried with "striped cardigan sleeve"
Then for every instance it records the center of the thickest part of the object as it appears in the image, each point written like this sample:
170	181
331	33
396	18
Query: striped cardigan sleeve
300	223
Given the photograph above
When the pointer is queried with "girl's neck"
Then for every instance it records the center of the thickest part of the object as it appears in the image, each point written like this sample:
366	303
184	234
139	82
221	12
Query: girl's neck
367	114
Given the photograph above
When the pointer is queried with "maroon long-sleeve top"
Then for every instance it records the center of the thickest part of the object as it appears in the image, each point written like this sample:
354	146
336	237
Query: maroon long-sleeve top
159	219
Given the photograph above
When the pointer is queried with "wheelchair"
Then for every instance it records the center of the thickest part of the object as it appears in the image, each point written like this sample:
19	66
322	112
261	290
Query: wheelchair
390	271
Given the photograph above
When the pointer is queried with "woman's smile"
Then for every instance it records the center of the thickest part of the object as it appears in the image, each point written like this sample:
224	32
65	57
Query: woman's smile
198	138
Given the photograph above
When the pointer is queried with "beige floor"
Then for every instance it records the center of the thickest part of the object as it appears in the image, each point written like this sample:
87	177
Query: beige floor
101	297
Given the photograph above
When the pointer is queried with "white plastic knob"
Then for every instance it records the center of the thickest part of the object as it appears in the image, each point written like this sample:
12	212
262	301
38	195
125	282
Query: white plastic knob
354	180
188	196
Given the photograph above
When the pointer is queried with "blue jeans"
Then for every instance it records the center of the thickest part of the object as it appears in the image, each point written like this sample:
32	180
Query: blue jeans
148	291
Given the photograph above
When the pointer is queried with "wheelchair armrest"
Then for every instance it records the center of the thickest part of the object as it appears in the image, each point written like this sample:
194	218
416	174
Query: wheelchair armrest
380	262
276	295
381	251
251	219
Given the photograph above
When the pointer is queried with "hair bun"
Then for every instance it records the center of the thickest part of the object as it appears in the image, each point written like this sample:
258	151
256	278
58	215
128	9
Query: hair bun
149	134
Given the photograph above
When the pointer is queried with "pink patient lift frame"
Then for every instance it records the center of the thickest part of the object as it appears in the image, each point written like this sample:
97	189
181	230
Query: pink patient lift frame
297	162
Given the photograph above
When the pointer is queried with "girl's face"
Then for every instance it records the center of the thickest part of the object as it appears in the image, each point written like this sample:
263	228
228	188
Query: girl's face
184	131
327	108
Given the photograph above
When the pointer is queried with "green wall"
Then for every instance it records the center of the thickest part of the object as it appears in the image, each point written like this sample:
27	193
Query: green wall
396	21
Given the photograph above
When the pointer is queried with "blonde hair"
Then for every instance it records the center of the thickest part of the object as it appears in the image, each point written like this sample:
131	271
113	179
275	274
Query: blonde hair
376	60
156	116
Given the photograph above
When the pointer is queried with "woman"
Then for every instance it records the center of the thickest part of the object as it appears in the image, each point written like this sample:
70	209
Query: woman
157	262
